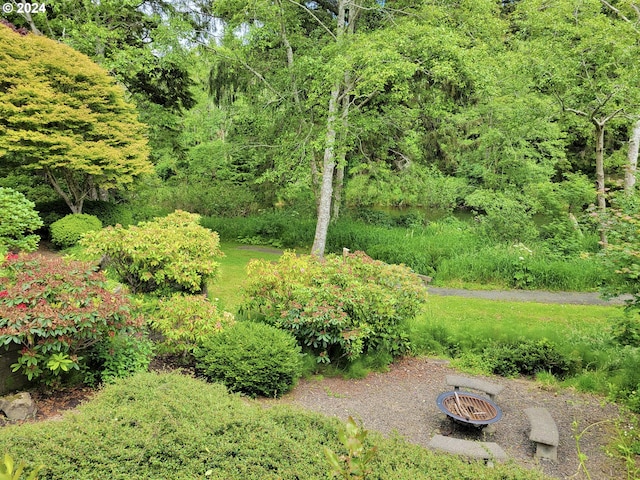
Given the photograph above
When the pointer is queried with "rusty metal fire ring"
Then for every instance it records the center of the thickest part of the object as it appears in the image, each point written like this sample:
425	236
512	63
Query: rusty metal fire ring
469	408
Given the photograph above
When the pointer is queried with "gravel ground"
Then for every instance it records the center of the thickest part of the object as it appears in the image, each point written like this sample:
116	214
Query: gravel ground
403	400
540	296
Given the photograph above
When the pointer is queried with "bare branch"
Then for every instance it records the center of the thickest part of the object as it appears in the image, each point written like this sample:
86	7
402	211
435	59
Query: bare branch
602	103
577	112
622	16
611	115
320	22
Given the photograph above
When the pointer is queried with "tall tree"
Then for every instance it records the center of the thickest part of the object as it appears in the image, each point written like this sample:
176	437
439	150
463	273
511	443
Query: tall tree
64	116
586	57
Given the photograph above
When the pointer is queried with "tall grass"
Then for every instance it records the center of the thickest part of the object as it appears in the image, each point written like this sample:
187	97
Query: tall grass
450	251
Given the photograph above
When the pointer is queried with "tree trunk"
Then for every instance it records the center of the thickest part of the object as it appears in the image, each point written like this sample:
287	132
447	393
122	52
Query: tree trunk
338	187
341	160
632	160
75	208
26	14
328	166
329	160
602	202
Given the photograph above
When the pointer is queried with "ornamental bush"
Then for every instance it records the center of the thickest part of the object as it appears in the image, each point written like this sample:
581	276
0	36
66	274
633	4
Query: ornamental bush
56	309
528	357
118	357
67	231
168	254
18	221
184	321
251	358
339	307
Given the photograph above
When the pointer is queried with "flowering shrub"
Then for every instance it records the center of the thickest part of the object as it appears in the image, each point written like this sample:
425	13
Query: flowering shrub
18	221
339	307
173	253
56	309
186	320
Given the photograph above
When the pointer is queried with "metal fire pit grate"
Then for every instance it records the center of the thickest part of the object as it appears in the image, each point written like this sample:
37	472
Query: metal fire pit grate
469	408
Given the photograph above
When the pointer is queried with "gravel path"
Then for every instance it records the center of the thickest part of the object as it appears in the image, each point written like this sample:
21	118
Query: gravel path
404	400
540	296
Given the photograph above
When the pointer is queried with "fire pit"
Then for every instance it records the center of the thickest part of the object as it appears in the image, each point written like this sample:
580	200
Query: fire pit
468	408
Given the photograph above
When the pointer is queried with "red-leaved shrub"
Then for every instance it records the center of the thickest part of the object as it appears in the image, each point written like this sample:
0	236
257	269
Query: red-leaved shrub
56	308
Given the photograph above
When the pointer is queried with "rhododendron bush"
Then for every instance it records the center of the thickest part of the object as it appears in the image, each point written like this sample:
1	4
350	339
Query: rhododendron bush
55	309
165	255
339	307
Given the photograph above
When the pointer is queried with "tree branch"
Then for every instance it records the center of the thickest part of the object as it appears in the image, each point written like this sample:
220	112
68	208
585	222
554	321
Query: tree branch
611	115
622	16
320	22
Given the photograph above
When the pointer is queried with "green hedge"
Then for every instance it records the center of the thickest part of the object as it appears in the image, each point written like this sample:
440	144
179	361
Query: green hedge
68	231
251	358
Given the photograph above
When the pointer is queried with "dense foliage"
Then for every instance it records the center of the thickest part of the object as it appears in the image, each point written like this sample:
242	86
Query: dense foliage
338	308
117	356
251	358
528	357
57	309
110	214
173	253
185	321
67	231
18	221
452	251
172	425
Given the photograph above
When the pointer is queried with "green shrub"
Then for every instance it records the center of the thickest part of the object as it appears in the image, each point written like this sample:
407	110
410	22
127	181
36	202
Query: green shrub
165	255
118	357
503	218
251	358
18	221
56	309
68	231
110	214
528	357
338	307
184	321
10	471
161	426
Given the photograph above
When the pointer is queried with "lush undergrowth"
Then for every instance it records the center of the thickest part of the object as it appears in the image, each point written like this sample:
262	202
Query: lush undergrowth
451	251
173	426
581	345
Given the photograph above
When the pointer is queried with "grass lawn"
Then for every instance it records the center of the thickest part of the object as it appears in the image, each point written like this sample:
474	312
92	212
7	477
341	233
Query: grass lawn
227	287
471	317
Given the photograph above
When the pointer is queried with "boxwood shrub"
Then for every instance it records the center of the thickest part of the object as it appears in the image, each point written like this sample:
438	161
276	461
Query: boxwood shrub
251	358
67	231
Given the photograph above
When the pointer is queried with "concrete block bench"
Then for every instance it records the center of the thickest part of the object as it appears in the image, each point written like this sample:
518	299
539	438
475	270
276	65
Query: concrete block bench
544	432
491	389
487	451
